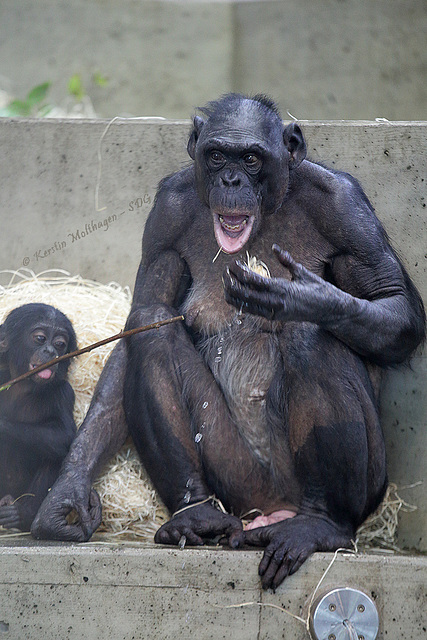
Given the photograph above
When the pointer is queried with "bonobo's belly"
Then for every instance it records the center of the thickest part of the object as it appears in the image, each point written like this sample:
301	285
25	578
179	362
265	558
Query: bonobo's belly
248	367
244	361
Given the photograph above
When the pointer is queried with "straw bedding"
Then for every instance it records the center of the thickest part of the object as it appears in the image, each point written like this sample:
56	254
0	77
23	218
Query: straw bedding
131	507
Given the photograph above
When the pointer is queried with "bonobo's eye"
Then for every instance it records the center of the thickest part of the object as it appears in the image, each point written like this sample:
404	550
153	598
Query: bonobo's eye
60	344
216	159
252	162
39	337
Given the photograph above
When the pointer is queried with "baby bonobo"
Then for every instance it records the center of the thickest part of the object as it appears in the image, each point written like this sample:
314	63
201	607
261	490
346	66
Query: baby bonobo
36	414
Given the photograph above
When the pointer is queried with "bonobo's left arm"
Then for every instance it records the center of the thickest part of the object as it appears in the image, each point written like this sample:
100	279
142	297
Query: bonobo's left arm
49	440
373	306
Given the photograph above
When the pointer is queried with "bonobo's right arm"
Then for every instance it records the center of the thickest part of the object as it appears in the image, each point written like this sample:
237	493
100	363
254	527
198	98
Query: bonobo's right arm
101	435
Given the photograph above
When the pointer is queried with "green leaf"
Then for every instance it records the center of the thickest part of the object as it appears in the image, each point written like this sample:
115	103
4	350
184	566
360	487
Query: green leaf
44	110
100	80
75	86
18	108
37	94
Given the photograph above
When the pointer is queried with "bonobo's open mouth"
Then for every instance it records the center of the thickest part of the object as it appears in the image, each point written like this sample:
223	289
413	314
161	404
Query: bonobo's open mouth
232	231
46	374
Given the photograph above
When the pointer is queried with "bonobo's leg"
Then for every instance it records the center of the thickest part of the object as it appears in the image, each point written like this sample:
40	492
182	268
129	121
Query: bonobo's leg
182	429
100	436
337	446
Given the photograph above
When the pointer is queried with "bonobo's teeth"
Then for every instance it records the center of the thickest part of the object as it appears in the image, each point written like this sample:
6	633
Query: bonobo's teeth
233	227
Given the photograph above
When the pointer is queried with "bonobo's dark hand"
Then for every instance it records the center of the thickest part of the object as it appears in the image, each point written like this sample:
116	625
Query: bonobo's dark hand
289	543
67	494
198	523
9	514
305	297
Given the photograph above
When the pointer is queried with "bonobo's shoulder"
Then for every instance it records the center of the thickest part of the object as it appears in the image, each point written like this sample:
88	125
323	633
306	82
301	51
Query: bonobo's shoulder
177	187
321	180
173	209
336	204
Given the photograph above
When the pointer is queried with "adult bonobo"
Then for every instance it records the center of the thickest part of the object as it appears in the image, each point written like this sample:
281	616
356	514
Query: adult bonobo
267	397
36	415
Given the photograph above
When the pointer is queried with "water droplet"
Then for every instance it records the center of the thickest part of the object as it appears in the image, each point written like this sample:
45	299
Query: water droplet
205	405
219	350
182	541
187	497
198	437
190	482
203	426
218	359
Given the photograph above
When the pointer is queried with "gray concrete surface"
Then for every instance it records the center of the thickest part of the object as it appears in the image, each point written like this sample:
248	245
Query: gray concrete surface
49	171
353	59
125	591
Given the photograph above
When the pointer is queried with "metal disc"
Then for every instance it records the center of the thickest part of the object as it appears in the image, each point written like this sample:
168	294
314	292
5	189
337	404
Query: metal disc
344	614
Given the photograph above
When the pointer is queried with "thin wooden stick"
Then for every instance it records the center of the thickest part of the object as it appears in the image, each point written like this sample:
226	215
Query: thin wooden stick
95	345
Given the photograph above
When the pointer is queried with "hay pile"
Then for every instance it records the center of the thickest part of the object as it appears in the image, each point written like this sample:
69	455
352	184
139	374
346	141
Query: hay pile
131	508
380	529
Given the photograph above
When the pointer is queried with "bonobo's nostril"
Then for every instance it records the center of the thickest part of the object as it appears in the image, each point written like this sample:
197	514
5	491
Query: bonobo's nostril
230	180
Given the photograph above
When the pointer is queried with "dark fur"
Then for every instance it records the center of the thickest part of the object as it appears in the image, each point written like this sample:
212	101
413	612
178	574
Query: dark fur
275	408
36	415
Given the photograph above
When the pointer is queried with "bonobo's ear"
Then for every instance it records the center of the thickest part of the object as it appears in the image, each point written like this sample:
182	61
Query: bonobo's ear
197	127
3	340
295	144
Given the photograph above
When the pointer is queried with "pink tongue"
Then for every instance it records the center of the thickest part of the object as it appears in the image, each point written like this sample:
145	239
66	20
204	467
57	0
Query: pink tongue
45	374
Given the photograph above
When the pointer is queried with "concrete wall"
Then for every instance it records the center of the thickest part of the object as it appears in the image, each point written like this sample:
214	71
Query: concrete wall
99	591
352	59
49	171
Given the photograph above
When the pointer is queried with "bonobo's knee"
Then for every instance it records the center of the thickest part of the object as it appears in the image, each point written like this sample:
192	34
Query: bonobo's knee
142	316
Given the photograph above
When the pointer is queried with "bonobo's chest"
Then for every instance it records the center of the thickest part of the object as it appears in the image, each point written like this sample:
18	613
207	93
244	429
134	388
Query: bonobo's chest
204	307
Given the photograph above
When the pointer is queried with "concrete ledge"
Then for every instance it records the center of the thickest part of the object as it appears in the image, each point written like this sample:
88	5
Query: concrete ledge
130	590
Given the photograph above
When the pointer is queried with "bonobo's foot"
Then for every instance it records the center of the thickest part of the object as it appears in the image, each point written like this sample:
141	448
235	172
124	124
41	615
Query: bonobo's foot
199	523
9	514
291	542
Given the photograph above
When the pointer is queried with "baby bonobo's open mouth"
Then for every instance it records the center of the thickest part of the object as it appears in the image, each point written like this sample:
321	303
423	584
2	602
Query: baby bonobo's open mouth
232	231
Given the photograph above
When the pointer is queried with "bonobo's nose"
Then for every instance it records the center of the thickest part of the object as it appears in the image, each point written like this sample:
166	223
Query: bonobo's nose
230	179
50	352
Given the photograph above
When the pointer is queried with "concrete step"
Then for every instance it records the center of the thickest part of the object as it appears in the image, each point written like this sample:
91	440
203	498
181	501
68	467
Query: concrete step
131	590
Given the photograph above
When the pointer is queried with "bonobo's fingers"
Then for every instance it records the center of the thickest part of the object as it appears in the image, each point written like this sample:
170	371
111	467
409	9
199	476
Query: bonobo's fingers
286	260
289	543
259	537
297	271
199	523
239	271
6	501
51	522
258	300
282	556
95	513
9	517
173	535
